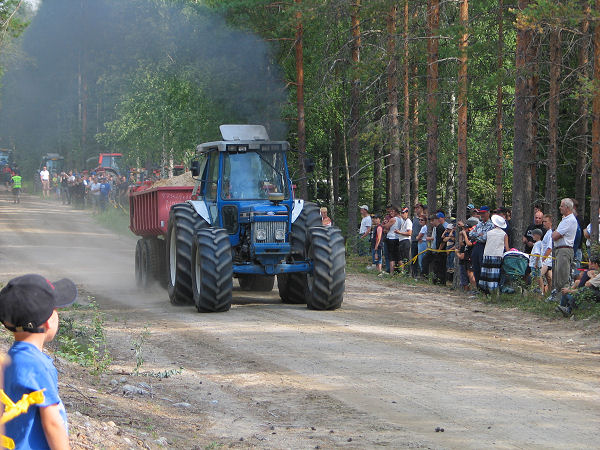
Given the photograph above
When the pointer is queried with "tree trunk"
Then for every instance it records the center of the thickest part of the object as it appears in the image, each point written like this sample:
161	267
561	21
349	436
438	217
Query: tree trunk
553	103
433	20
406	123
449	193
461	201
336	169
354	124
394	130
330	184
533	195
595	187
415	136
377	173
522	128
302	185
581	170
499	111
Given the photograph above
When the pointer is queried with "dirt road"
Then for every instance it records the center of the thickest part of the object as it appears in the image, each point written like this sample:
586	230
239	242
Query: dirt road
385	370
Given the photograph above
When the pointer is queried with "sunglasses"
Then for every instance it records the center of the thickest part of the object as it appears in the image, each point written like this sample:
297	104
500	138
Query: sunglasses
422	220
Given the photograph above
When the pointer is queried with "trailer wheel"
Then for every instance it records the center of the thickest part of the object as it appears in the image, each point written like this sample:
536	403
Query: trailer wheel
293	287
327	282
256	283
138	262
184	221
212	274
156	260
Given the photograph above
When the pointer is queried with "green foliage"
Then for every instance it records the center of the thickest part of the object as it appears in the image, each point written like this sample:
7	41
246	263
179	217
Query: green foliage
115	218
84	342
138	344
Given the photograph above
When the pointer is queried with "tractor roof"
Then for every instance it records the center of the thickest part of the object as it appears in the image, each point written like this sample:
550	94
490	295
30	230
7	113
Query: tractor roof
255	137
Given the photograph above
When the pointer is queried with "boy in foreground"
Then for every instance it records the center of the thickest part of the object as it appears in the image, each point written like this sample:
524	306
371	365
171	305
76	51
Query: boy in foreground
28	308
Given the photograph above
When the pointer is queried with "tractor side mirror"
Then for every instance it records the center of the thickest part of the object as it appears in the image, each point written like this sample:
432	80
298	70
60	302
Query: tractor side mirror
195	168
309	165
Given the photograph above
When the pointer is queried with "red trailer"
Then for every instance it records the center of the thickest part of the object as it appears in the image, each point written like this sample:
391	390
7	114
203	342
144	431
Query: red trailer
148	218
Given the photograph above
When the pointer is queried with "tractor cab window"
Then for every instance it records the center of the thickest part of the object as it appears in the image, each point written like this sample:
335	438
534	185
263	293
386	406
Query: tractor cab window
253	175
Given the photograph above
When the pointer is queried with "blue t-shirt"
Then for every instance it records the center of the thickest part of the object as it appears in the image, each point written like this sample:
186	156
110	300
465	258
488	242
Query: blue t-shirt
104	189
30	370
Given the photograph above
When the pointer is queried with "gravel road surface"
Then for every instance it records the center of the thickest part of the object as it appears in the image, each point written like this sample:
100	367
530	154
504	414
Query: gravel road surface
387	369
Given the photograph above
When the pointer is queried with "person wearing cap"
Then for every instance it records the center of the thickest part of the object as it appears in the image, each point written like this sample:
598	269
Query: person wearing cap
364	231
28	308
479	237
495	246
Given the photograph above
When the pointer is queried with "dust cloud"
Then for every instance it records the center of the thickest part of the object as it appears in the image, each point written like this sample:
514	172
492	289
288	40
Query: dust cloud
77	59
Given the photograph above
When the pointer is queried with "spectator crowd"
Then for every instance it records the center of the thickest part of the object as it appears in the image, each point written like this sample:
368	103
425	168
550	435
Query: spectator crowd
478	254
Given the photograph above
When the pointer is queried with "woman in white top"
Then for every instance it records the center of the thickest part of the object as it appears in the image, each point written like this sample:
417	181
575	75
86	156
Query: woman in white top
495	246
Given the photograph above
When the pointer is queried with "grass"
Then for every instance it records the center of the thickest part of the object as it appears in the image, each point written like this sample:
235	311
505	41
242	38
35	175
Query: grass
587	309
81	337
115	219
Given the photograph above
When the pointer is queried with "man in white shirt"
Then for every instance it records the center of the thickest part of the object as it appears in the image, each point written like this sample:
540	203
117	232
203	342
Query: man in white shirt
364	231
404	233
45	179
564	237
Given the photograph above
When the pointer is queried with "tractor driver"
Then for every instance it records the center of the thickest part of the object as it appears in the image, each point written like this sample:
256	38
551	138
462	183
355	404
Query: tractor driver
240	178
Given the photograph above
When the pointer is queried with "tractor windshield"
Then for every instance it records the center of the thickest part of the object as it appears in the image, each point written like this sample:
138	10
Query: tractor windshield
253	175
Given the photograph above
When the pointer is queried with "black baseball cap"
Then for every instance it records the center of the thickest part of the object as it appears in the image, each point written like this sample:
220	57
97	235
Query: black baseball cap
28	301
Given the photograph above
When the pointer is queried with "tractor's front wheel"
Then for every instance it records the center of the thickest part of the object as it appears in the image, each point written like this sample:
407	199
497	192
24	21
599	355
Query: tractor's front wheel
212	274
327	282
256	283
293	286
184	221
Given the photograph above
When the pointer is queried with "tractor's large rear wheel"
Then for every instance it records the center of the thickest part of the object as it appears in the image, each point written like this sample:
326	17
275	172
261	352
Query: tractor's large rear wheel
212	274
327	282
184	221
293	287
256	283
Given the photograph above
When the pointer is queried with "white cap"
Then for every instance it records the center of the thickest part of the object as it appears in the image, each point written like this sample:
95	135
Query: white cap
365	207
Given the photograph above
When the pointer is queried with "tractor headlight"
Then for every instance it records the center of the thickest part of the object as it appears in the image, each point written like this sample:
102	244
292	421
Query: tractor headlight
280	234
261	234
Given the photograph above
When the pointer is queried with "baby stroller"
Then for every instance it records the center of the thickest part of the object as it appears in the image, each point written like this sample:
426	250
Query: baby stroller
514	267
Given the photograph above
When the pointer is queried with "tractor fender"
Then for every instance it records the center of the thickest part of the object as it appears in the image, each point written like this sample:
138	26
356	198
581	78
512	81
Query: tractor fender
298	206
200	207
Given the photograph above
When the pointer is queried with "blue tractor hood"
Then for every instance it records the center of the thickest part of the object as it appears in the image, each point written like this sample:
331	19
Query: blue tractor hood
263	209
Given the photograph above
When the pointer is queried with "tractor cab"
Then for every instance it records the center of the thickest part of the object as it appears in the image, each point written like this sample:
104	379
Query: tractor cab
244	183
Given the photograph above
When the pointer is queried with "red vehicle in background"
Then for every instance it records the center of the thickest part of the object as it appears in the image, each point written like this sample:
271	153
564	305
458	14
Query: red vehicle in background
106	163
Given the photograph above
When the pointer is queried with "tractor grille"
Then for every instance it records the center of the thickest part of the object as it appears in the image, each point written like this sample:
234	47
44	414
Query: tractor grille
269	232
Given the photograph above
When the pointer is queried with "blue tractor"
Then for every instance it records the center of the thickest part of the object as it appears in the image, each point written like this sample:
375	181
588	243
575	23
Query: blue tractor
244	222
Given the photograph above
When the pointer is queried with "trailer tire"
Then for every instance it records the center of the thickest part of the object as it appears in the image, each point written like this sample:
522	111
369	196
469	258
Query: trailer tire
156	260
184	221
293	287
327	282
212	273
256	283
138	262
